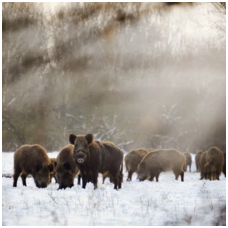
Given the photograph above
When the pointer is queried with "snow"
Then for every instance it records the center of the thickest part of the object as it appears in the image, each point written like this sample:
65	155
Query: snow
168	202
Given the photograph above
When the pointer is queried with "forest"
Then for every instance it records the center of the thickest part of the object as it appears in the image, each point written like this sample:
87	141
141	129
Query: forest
149	75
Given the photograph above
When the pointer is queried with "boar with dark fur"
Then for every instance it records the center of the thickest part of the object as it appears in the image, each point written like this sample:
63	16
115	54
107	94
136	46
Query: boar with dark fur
96	157
66	168
160	161
32	159
132	160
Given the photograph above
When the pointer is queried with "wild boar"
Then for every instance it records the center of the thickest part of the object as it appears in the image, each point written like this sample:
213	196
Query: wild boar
132	160
160	161
214	163
197	159
96	157
188	160
66	168
32	159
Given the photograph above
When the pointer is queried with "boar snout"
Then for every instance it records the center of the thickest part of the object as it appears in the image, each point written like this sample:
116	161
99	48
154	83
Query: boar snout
64	187
43	185
80	157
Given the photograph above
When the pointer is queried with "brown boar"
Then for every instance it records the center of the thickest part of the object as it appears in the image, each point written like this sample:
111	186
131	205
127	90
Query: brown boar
66	168
132	160
197	159
160	161
32	159
96	157
214	163
188	160
53	173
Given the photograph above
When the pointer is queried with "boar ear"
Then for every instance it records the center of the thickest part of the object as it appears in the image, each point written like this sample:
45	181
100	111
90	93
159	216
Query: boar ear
89	138
38	168
50	167
66	165
72	138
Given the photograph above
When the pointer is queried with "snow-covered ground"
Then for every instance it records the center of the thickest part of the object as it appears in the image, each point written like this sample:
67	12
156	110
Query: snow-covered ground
168	202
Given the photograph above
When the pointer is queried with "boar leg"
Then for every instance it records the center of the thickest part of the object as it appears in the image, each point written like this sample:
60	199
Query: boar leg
157	177
217	175
116	177
176	174
209	175
90	176
17	173
116	181
103	179
202	176
23	176
151	178
79	179
119	184
84	179
55	179
84	182
182	176
94	178
105	174
120	179
205	175
129	176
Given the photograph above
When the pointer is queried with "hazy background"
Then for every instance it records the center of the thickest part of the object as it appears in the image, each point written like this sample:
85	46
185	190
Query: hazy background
149	75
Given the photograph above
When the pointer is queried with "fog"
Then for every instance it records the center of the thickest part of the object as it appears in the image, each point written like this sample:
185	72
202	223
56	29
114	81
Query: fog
144	75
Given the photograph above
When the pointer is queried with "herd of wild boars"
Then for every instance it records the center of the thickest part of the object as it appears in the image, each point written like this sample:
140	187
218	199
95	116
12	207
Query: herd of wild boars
86	158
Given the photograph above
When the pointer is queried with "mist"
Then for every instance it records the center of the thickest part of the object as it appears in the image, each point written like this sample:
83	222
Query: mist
143	75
